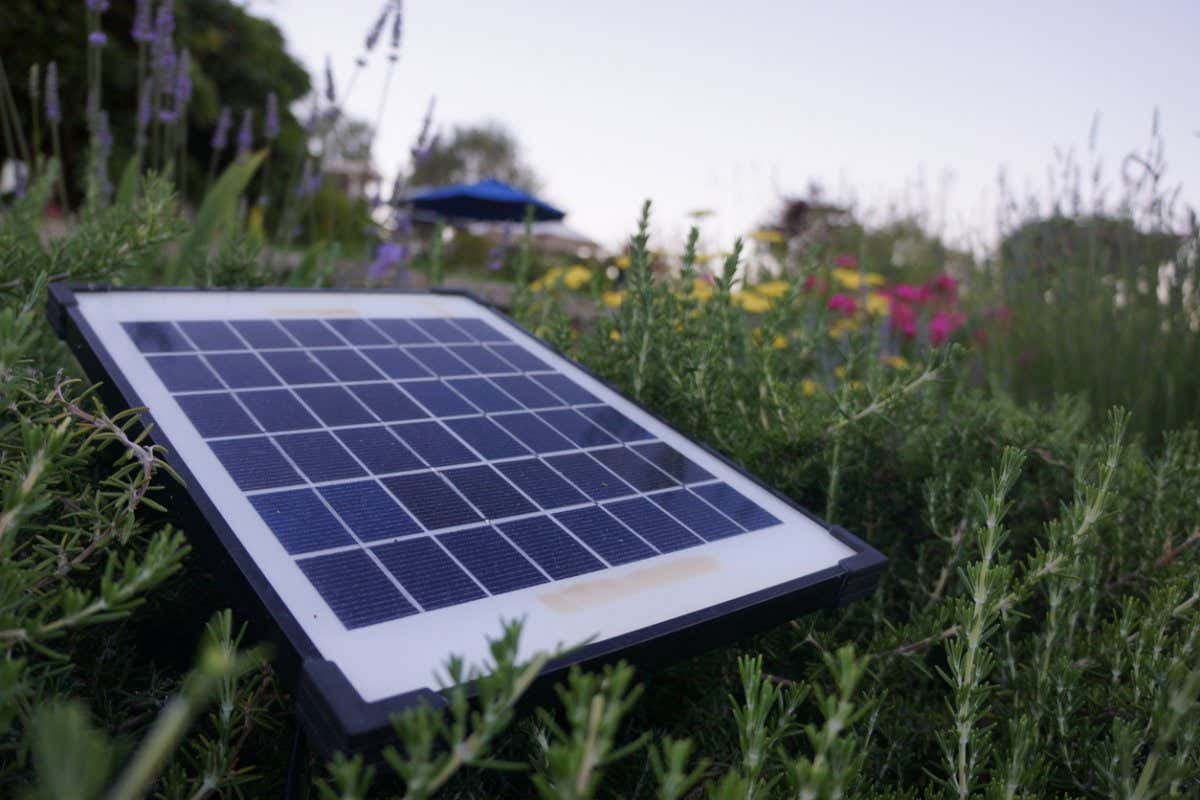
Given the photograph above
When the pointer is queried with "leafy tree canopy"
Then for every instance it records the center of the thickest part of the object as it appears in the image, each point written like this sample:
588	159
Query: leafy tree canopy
472	153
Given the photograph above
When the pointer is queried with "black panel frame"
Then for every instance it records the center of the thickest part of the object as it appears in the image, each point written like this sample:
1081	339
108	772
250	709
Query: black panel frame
331	712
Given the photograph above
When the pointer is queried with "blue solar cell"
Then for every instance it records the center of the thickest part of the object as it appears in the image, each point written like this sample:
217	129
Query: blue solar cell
241	370
653	524
217	414
334	405
255	463
311	332
441	330
616	423
378	450
434	443
212	335
369	511
480	330
440	361
634	470
262	333
401	331
672	462
519	357
578	429
487	490
438	398
527	393
545	486
536	435
184	373
486	438
428	573
297	367
558	553
389	403
356	331
604	534
431	500
395	363
278	410
347	365
494	562
320	456
571	392
736	506
482	359
355	588
696	514
590	476
300	521
484	394
156	337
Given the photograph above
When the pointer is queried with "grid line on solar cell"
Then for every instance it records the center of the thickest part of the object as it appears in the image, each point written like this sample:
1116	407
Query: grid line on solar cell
431	500
277	410
695	513
551	547
672	462
262	334
387	402
571	392
484	394
356	588
653	524
157	337
492	559
211	335
542	484
580	430
395	363
346	365
438	398
440	329
533	433
241	370
183	372
378	450
736	506
488	491
605	535
357	331
529	394
429	573
590	476
369	511
300	521
217	414
633	469
311	332
434	444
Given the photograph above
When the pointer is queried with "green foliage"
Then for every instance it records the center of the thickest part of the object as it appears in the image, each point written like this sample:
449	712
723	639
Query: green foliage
472	153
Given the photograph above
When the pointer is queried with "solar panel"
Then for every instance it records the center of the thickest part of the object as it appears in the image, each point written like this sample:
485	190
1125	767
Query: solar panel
392	474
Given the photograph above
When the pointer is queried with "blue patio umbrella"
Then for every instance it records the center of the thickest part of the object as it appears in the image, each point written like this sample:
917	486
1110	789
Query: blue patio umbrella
488	200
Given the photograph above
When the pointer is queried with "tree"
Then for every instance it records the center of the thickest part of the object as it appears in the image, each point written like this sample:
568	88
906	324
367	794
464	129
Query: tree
472	153
236	60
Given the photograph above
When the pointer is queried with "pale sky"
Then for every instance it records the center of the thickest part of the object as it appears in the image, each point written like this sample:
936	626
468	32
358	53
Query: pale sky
730	106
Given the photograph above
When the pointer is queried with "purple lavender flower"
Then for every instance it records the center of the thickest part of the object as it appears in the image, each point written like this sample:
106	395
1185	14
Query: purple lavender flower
97	39
387	255
271	119
496	254
220	137
143	22
168	116
164	51
245	137
99	6
377	29
424	145
310	181
183	80
330	91
397	29
53	107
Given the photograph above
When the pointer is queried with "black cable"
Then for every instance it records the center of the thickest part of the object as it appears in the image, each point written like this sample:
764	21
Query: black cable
294	788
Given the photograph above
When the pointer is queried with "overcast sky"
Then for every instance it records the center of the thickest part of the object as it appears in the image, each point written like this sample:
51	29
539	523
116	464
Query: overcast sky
730	106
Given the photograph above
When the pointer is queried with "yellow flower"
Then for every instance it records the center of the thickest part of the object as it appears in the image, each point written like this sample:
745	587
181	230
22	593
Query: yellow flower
809	387
878	304
839	371
853	279
779	342
615	335
768	236
895	362
701	290
623	262
612	299
843	326
577	277
537	285
773	289
752	301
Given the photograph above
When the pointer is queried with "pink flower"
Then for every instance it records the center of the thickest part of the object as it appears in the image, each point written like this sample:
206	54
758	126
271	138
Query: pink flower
943	324
944	285
847	260
811	283
843	302
909	293
904	318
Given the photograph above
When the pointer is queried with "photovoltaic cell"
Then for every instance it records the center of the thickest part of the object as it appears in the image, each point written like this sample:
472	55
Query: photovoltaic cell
558	553
241	370
536	435
542	484
580	430
616	423
672	462
481	359
357	331
441	330
255	463
217	414
156	337
489	492
428	574
311	332
357	590
590	476
519	357
334	405
498	565
736	505
601	531
434	444
184	373
431	500
401	331
278	410
387	402
300	521
395	363
571	392
212	335
484	394
696	514
262	334
440	361
297	367
633	469
379	450
526	392
347	365
653	524
320	456
369	511
438	398
480	330
486	438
